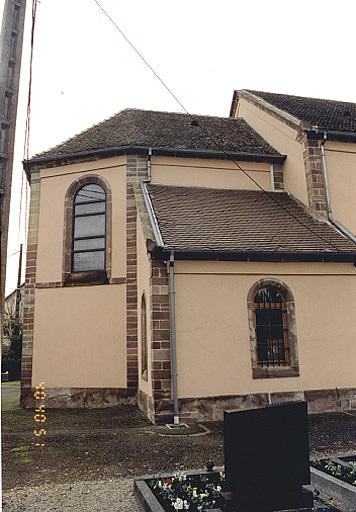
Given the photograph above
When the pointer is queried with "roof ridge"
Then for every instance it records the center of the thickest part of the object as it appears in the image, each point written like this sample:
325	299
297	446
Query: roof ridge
131	109
256	93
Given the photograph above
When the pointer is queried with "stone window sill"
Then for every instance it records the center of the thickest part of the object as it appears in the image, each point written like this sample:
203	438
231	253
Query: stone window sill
272	372
86	278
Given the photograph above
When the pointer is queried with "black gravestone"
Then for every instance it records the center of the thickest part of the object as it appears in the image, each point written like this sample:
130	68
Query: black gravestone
267	457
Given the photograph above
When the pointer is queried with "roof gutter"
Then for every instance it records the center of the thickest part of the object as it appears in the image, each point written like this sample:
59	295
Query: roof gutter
315	133
51	161
331	219
207	254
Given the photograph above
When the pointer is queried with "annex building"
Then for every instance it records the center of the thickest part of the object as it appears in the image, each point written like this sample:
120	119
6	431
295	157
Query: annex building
192	265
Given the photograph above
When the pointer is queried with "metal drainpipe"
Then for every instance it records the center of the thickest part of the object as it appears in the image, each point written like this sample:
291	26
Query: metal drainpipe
338	226
172	317
149	170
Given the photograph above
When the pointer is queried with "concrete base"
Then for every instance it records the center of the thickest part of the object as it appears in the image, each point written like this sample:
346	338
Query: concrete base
212	408
191	409
81	398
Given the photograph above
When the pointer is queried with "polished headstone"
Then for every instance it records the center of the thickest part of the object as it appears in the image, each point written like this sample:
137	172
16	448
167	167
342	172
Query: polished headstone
267	457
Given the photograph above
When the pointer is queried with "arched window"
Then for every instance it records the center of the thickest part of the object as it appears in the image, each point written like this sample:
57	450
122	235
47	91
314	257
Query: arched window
144	354
89	229
272	330
271	327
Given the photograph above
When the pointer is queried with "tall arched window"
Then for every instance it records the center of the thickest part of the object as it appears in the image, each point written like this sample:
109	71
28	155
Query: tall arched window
144	353
89	229
271	327
272	330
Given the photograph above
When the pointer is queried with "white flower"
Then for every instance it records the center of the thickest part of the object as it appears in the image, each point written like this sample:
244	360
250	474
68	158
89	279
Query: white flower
218	488
186	505
178	504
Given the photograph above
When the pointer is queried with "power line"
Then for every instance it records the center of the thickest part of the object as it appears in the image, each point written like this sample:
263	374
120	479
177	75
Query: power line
196	123
26	148
13	254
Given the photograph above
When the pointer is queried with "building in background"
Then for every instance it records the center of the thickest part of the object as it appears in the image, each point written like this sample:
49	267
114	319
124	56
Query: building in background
195	265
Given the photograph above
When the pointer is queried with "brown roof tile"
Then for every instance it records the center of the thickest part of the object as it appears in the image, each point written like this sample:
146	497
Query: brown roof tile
325	114
163	131
240	220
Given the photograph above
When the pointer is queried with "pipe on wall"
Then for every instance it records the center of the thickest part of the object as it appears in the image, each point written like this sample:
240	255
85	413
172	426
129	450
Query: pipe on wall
172	317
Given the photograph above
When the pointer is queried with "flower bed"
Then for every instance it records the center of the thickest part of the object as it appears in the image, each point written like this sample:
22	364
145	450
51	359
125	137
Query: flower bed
335	479
338	469
196	493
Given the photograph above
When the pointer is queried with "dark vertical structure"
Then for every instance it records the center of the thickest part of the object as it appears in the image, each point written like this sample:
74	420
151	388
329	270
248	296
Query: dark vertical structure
267	457
10	63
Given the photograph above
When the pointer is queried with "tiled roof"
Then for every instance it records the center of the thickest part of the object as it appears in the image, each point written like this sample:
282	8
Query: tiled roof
240	220
325	114
163	131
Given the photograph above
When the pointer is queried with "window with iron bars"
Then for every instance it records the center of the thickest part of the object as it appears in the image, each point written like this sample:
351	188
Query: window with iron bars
271	324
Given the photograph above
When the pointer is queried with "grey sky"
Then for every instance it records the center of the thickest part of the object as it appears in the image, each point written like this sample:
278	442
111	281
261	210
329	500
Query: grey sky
84	71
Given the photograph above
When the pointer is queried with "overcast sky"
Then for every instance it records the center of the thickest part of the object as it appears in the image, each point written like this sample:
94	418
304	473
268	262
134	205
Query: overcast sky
84	71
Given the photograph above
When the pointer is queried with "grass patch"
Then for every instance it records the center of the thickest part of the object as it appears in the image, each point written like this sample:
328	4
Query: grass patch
20	449
10	395
22	454
10	384
10	405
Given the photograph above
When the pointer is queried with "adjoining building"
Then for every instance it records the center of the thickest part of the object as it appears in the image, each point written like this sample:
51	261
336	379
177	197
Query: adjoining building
194	265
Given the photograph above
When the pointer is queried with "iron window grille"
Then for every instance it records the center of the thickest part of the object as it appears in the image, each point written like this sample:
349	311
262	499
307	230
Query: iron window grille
271	324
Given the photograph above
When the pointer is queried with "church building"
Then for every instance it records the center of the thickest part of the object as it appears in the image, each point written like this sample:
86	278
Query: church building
193	264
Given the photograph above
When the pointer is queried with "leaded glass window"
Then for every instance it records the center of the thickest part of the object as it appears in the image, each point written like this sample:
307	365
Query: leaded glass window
89	229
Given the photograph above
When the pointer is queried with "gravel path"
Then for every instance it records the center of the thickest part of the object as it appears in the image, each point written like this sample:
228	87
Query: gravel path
111	495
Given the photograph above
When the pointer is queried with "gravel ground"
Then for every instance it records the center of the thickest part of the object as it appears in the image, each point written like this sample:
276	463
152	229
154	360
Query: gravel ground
92	456
111	495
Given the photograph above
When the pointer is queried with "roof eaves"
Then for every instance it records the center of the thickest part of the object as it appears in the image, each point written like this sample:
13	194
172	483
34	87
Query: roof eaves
54	160
208	254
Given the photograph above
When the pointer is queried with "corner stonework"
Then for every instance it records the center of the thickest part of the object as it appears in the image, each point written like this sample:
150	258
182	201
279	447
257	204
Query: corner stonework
314	176
161	344
136	170
29	296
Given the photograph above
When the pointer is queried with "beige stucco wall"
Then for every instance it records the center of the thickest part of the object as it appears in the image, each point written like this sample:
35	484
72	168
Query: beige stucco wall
79	332
143	286
194	172
341	166
79	337
54	185
283	138
213	342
